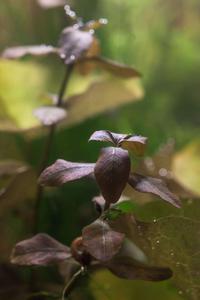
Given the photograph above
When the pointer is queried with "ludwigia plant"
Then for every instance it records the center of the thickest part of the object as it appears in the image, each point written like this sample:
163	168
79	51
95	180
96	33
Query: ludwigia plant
104	243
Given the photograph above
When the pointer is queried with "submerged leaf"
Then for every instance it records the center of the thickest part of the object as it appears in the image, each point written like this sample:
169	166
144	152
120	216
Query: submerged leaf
74	44
49	115
102	95
127	268
41	250
17	52
95	24
101	241
112	172
63	171
155	186
127	141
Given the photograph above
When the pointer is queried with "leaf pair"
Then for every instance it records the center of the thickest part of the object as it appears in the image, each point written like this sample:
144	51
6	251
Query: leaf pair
111	171
109	248
99	241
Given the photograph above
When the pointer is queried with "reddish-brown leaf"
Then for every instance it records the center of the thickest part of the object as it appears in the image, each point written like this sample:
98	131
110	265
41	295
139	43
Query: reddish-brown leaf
113	67
146	184
111	172
37	50
63	171
49	115
127	268
74	44
101	241
95	24
41	250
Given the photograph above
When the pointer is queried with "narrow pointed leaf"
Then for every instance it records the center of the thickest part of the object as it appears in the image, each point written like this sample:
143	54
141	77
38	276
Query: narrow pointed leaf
146	184
74	44
113	67
38	50
112	172
63	171
49	115
41	250
127	268
101	241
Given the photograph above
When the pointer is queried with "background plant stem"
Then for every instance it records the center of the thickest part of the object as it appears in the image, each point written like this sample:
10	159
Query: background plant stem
49	143
70	285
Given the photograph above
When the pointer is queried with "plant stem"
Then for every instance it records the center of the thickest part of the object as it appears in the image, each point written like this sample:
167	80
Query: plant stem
70	285
49	142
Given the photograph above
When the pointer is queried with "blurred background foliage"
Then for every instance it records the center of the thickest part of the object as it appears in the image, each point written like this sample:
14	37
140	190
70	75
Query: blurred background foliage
162	40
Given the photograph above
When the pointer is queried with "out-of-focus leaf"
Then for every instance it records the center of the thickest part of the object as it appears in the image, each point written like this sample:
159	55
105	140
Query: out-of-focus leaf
51	3
17	52
127	268
101	241
63	171
99	203
127	141
112	67
41	250
102	95
18	95
74	44
155	186
49	115
112	172
11	167
171	241
186	167
21	187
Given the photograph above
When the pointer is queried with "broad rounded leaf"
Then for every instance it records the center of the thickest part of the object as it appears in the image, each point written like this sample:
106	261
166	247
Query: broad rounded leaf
127	268
41	250
113	67
49	115
136	144
101	241
74	44
146	184
63	171
38	50
101	96
107	136
112	172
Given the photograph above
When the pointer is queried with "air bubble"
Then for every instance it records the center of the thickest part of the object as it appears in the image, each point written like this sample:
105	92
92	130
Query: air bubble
163	172
72	57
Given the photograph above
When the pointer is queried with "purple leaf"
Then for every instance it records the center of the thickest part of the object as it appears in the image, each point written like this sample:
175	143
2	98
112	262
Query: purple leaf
135	143
49	115
38	50
74	44
127	268
112	172
63	171
101	241
41	250
146	184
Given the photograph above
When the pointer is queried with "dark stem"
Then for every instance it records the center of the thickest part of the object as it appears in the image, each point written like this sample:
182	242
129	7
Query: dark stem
70	285
49	143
